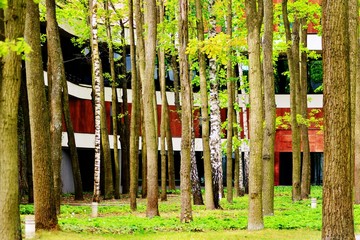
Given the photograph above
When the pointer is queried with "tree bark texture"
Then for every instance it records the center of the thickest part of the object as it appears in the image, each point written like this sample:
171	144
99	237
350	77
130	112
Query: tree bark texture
306	161
44	202
243	165
337	221
253	21
10	73
194	175
230	110
57	73
205	127
148	92
270	112
293	61
135	116
186	116
96	74
72	144
114	102
215	121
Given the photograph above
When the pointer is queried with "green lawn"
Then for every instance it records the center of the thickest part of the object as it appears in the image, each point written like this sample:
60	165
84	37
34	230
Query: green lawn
116	221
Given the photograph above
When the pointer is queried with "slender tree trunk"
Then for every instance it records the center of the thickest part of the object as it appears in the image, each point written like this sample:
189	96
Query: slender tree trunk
293	60
238	192
243	165
27	137
205	127
143	155
113	104
170	152
45	209
253	20
306	161
71	143
186	116
270	112
174	66
135	116
230	110
10	79
96	79
215	121
56	75
337	219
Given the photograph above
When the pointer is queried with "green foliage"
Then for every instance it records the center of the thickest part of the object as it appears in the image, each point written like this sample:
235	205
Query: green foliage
19	46
3	4
312	120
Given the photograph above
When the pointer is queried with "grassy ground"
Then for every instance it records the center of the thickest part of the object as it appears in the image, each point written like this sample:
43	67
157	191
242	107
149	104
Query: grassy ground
116	221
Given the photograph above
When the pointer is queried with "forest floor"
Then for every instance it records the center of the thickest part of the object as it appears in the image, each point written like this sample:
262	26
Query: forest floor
291	220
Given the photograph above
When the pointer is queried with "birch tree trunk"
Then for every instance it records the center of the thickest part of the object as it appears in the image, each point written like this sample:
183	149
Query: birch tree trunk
254	10
215	121
337	218
205	127
270	112
97	79
10	79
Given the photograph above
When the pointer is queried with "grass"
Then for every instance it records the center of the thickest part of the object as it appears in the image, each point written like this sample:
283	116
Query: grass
116	221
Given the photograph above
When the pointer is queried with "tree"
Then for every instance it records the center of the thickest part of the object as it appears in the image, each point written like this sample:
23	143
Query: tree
113	103
135	118
306	161
293	61
338	222
186	116
10	79
215	120
209	198
56	73
270	112
95	58
230	109
44	202
254	10
148	92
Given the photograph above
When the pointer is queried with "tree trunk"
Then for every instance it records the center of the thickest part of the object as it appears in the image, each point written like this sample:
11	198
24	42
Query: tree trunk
337	219
253	21
270	112
113	104
72	144
45	209
194	175
96	74
55	76
148	92
143	154
230	110
163	128
354	74
125	125
243	165
293	60
170	152
205	127
215	121
135	116
354	10
174	66
10	73
186	116
306	161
